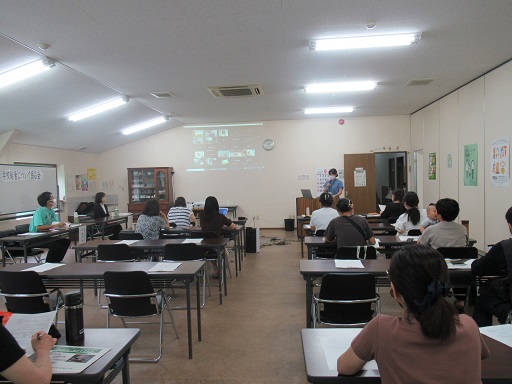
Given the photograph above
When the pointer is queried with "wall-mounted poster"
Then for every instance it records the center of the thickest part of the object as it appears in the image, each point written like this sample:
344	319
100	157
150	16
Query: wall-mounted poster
500	162
449	160
359	177
432	166
471	164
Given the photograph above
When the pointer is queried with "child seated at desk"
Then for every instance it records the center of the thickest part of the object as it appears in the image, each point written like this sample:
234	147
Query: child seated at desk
431	217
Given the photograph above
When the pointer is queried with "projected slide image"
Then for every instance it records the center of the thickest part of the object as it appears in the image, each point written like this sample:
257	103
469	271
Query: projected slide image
223	149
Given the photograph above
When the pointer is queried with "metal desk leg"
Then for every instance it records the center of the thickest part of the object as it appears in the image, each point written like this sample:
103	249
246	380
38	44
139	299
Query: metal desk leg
198	305
309	298
126	369
225	260
221	272
237	251
189	321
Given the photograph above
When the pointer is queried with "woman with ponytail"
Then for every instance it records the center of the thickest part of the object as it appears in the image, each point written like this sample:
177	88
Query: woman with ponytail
413	217
431	342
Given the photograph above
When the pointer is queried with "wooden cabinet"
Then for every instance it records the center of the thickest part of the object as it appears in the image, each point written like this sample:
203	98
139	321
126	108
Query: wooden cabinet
150	183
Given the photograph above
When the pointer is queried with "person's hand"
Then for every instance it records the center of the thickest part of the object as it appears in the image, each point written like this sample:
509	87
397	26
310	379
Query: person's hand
162	215
42	341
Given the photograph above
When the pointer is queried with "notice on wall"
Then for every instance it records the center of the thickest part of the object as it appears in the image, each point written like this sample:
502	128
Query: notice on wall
432	166
500	162
359	177
470	165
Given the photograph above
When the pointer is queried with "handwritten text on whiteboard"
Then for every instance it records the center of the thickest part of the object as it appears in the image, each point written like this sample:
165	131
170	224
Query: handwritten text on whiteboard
15	175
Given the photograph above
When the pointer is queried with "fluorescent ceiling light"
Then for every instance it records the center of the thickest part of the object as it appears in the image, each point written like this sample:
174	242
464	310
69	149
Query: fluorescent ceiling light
25	71
341	87
98	109
364	42
145	125
222	125
314	111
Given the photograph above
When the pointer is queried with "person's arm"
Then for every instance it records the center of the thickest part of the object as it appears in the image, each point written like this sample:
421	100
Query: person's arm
493	263
24	371
329	234
349	363
166	220
371	240
192	219
341	188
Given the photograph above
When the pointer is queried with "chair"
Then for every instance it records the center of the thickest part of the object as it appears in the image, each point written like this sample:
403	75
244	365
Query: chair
132	235
211	255
392	220
131	295
357	252
346	300
24	292
414	232
458	252
33	252
320	232
188	252
108	253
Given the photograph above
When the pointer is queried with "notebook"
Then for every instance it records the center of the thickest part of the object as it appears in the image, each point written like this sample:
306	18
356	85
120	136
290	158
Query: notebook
306	193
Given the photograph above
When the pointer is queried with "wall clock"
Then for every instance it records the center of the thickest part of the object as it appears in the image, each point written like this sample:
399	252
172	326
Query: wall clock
268	145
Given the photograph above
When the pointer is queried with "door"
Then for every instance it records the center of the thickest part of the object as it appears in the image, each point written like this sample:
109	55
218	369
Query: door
360	184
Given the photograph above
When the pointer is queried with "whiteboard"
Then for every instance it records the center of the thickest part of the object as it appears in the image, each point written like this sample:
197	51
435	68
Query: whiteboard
21	184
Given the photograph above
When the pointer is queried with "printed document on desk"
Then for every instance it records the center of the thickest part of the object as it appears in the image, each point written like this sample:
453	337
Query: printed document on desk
455	264
501	333
70	359
127	242
348	264
165	267
44	267
194	241
333	347
409	238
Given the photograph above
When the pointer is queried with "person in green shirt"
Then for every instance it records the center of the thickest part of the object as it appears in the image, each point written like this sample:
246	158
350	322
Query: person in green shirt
45	219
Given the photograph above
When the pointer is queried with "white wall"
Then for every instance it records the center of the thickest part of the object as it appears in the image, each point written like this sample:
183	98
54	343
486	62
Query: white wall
301	147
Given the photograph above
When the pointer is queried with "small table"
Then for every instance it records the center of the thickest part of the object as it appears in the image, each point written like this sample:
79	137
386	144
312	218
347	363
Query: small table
495	369
119	340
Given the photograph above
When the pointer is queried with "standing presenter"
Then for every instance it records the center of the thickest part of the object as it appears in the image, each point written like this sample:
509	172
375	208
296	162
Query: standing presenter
334	186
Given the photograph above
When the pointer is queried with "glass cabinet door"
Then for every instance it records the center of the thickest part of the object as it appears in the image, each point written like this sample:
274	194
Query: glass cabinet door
161	182
143	185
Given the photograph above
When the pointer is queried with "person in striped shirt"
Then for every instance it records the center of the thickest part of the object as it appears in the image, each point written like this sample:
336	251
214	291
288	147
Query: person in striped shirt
180	215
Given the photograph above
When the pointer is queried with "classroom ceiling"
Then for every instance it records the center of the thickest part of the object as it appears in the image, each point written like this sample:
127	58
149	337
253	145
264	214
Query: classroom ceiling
106	48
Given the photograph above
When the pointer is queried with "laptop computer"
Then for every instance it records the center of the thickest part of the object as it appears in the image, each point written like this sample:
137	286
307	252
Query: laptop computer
223	211
306	193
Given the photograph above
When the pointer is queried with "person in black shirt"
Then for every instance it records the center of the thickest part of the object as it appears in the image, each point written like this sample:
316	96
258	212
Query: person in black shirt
492	301
16	367
396	208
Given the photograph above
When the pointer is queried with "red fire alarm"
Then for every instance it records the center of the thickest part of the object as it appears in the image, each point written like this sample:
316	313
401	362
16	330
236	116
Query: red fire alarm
341	121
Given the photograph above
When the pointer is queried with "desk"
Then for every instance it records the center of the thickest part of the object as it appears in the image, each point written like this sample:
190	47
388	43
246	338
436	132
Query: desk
313	269
159	246
35	240
104	222
381	227
495	369
119	340
86	275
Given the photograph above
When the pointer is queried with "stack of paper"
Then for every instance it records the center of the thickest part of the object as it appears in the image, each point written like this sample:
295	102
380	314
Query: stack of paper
347	264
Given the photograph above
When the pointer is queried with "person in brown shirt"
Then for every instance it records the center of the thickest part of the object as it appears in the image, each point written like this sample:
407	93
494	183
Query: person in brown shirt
431	343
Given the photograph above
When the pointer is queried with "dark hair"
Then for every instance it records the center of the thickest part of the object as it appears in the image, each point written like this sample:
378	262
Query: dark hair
448	209
333	171
419	273
344	205
432	204
508	215
399	194
98	197
413	213
43	198
180	202
211	208
151	208
326	199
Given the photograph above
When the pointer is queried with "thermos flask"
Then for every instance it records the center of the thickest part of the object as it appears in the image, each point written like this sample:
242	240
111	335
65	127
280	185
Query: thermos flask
74	318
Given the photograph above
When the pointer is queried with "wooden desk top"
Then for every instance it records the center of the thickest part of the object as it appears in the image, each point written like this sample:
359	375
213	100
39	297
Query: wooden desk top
153	244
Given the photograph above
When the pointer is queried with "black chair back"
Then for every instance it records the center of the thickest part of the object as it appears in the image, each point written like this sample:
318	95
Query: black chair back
129	283
114	252
458	252
414	232
130	235
347	286
184	252
22	283
353	253
320	232
22	228
392	220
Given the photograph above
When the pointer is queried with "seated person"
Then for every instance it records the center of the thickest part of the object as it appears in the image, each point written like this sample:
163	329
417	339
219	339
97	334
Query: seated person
494	300
413	217
348	229
180	215
320	218
431	217
45	219
438	345
151	221
396	207
16	367
100	211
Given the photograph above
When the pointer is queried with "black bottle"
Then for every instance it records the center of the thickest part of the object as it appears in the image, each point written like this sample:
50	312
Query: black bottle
74	318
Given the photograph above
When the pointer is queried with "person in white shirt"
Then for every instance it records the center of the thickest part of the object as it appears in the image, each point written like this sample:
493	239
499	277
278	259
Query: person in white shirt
413	217
321	218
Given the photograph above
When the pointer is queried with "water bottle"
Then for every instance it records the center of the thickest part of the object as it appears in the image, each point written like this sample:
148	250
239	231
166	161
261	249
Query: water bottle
116	212
75	218
74	318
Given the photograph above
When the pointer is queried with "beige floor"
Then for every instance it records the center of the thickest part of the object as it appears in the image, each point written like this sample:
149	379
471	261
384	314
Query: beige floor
254	337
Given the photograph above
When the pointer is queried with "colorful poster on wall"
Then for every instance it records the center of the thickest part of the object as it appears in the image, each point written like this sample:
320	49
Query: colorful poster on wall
470	165
500	162
432	166
322	175
85	184
91	173
78	182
